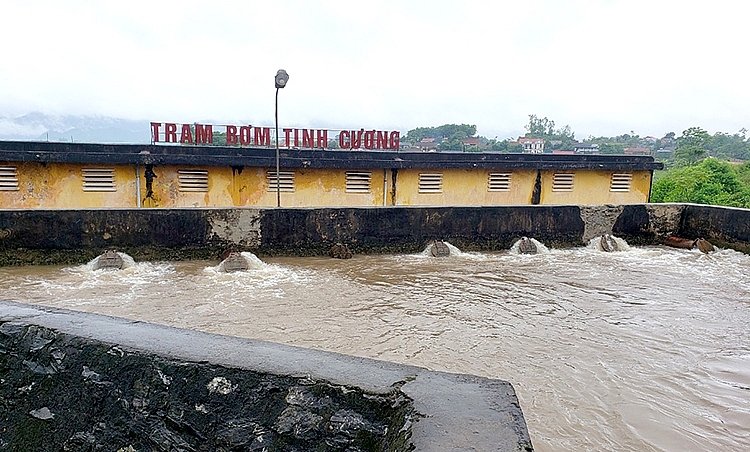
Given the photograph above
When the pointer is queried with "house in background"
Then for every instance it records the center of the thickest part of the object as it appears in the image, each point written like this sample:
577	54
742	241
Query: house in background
585	148
470	144
637	151
428	144
532	145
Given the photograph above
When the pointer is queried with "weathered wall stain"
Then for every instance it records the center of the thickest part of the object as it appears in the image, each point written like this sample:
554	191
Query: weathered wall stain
599	220
69	236
240	227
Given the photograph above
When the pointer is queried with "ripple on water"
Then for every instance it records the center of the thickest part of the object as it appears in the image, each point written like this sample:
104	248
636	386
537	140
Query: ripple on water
643	349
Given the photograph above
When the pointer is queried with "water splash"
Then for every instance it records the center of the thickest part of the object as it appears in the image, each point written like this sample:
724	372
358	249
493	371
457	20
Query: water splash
253	263
540	248
259	275
454	251
596	245
127	262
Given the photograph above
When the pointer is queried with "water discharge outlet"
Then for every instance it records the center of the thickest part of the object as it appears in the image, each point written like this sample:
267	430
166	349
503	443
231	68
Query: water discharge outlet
439	249
109	259
340	251
526	246
608	243
233	261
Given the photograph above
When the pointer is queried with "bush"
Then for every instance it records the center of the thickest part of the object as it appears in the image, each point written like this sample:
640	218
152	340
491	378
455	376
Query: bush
709	182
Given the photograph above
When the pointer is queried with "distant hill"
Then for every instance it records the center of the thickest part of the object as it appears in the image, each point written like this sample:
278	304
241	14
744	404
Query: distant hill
79	129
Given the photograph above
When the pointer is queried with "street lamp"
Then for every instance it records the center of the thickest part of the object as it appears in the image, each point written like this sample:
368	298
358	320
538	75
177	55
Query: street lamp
281	78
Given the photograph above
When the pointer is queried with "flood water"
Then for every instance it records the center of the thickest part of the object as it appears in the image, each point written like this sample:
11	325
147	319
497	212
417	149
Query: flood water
646	349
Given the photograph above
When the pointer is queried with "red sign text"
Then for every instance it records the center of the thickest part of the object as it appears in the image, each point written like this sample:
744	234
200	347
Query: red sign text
262	136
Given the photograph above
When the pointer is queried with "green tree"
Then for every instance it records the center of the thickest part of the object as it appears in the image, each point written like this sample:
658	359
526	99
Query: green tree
448	132
452	144
505	146
539	127
611	148
743	173
220	139
562	138
691	147
725	146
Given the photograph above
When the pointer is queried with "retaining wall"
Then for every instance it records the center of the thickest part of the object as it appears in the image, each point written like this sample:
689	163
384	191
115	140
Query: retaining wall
77	236
724	226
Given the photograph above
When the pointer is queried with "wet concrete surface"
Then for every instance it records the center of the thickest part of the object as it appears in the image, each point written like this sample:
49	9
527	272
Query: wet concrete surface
385	405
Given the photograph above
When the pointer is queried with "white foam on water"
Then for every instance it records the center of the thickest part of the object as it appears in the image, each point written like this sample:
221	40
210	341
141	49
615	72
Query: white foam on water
540	248
253	263
595	244
639	350
455	252
259	274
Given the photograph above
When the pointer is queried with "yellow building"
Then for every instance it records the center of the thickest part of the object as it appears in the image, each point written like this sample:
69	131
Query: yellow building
75	175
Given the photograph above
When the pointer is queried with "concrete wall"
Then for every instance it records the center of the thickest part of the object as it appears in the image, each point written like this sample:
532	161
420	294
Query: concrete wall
723	226
460	185
60	185
85	382
77	236
593	187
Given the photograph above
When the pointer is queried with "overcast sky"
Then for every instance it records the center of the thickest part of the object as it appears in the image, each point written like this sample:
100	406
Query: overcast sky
604	67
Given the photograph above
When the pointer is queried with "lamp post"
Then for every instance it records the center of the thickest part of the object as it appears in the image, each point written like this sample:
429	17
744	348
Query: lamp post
281	78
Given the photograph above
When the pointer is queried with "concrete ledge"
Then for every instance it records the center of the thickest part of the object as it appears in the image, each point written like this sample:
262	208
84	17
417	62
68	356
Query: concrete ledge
724	226
424	410
143	154
77	236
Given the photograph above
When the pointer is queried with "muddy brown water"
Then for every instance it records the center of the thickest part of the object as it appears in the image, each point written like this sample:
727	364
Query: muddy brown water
646	349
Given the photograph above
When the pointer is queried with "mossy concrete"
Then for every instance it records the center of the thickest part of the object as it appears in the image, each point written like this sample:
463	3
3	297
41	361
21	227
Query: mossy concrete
84	382
726	227
77	236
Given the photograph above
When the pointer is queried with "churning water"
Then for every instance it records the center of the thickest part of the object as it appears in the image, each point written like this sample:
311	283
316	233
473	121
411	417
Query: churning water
644	349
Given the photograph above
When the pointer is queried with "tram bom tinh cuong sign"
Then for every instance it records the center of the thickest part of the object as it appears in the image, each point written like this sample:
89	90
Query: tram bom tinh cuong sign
197	134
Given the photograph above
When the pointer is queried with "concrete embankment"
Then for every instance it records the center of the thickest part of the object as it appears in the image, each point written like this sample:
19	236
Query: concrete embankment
724	226
85	382
77	236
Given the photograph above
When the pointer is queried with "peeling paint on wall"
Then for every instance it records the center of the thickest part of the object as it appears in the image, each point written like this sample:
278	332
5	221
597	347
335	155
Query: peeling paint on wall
599	220
238	226
665	218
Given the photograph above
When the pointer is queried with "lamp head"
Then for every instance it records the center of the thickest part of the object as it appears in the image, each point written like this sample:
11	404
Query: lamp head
281	78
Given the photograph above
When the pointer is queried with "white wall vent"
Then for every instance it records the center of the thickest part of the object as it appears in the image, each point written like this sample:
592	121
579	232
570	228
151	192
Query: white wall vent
621	182
562	182
499	182
430	182
8	178
193	180
98	179
286	181
358	182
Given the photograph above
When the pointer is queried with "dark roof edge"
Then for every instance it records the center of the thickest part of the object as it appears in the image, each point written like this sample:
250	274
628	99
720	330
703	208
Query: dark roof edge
40	151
